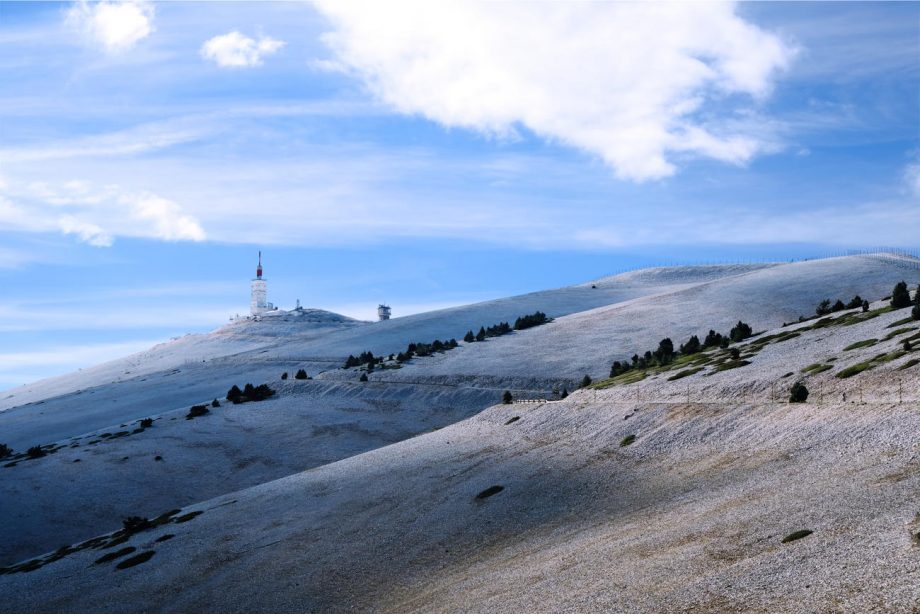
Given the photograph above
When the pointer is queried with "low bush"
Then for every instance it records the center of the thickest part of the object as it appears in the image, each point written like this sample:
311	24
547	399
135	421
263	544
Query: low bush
36	452
146	423
798	393
488	492
136	524
196	411
215	403
284	375
586	381
796	535
5	450
301	374
363	377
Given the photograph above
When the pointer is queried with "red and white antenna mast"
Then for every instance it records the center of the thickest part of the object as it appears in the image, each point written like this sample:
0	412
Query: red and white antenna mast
259	269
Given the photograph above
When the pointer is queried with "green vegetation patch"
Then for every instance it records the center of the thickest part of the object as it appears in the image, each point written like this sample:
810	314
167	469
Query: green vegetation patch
900	322
143	557
685	373
111	556
627	440
854	369
734	364
488	492
796	535
860	344
630	377
897	332
816	368
910	363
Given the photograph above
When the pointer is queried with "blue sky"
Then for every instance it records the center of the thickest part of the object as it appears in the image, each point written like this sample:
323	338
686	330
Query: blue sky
426	155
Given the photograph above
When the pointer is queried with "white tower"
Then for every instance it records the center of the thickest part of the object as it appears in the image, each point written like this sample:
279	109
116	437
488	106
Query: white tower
258	304
383	312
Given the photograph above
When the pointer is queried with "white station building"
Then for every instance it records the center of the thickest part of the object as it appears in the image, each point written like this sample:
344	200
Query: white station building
258	303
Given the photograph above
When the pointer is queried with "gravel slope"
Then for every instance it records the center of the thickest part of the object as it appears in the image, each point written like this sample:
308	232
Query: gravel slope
689	517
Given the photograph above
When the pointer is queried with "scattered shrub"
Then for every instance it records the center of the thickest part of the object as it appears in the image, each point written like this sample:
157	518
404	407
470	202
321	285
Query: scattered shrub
900	296
143	557
196	411
146	423
915	312
507	398
627	440
907	346
363	377
488	492
586	381
136	524
692	346
284	375
36	452
796	535
234	395
799	393
5	450
855	302
865	306
824	307
735	353
215	403
301	374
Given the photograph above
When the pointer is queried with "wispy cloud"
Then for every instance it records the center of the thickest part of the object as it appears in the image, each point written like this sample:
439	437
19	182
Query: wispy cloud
235	50
624	81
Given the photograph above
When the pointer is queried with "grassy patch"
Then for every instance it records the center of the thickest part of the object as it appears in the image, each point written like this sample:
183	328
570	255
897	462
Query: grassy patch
816	368
512	420
860	344
630	377
685	373
111	556
897	332
143	557
854	369
488	492
187	517
627	440
796	535
732	364
910	363
900	322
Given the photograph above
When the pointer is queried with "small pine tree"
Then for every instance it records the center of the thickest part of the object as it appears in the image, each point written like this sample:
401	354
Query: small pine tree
36	452
915	312
469	337
284	375
363	377
799	393
565	393
865	305
481	335
586	381
740	332
691	347
234	395
301	374
856	302
907	346
735	353
838	306
507	398
900	296
5	450
824	307
215	403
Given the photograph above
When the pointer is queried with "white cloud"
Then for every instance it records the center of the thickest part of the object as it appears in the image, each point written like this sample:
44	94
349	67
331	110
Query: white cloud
115	26
234	50
624	81
912	177
88	233
95	214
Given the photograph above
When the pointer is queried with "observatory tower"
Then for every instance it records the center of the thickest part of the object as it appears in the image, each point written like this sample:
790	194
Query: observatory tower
383	312
258	304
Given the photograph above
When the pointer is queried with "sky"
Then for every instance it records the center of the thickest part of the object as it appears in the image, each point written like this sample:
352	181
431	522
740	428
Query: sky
426	154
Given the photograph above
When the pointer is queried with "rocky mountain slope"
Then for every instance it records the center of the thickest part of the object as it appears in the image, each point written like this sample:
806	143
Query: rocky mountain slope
672	491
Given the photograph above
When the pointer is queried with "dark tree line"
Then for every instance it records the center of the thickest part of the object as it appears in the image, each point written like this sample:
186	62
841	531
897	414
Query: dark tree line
665	353
249	393
825	307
